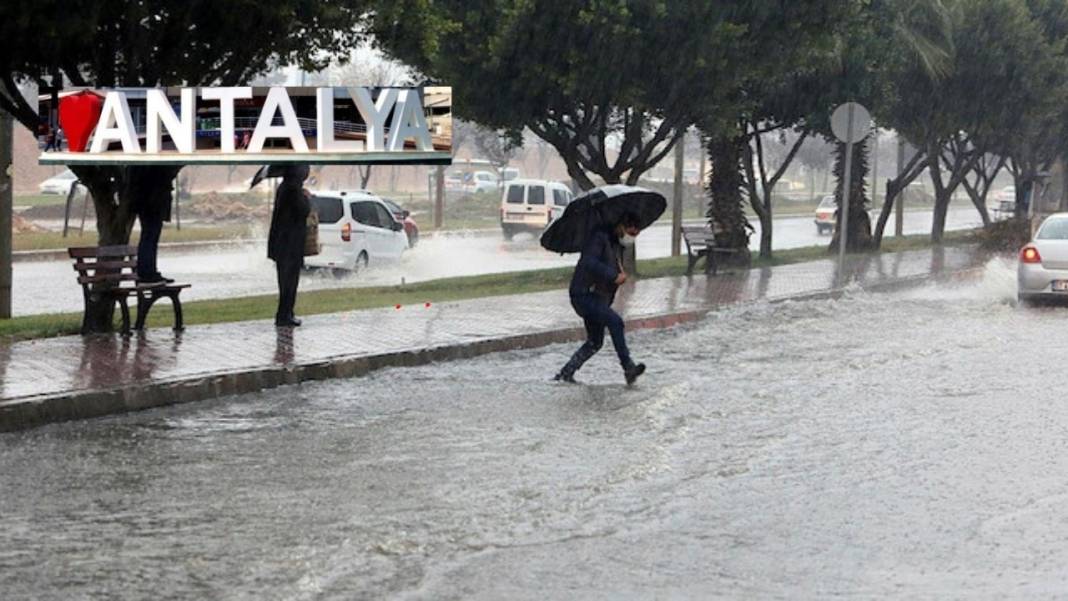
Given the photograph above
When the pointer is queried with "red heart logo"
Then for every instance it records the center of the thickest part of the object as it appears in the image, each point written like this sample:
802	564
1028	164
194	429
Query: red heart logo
78	115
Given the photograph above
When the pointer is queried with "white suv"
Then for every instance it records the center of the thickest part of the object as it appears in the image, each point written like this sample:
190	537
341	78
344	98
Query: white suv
355	228
482	181
530	205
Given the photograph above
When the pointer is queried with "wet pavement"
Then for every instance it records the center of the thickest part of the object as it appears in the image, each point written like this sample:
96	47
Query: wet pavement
65	366
230	271
895	445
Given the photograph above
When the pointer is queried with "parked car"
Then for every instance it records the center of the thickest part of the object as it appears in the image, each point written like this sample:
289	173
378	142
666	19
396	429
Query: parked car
825	215
1042	268
509	173
356	228
481	181
58	184
1004	203
411	229
530	205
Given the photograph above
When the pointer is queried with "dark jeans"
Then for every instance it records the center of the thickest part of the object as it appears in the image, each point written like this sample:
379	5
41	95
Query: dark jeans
288	279
148	247
598	315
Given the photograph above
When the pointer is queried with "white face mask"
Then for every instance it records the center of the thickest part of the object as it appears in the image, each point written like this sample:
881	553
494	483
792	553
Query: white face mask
627	240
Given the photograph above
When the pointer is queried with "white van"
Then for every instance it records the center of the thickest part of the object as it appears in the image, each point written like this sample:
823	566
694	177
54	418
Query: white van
355	228
530	205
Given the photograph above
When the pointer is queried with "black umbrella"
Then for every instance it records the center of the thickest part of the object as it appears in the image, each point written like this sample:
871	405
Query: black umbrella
601	206
265	172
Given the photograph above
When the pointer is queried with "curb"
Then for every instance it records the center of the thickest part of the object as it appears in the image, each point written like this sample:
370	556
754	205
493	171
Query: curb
31	412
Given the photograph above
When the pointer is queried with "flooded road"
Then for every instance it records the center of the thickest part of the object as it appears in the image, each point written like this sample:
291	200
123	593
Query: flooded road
230	271
907	445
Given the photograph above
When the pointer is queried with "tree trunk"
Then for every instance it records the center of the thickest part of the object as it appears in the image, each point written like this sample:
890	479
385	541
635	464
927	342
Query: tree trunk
893	189
941	200
859	238
114	191
726	215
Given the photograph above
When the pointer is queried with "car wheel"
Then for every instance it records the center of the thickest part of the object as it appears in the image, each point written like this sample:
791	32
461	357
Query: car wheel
361	262
508	234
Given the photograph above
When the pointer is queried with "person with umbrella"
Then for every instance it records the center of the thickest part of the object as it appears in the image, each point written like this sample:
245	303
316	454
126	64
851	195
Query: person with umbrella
285	241
600	224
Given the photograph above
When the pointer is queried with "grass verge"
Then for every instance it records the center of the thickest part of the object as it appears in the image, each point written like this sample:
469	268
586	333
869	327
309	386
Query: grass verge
55	240
436	291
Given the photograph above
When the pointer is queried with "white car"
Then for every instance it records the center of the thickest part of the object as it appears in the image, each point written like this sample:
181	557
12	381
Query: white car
825	220
1042	269
1004	203
355	229
482	181
530	205
60	183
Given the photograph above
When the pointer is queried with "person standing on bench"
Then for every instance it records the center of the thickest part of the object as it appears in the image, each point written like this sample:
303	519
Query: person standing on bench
153	207
285	242
593	288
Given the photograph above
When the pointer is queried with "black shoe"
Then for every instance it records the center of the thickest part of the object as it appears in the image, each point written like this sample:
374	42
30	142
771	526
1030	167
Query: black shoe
633	372
159	277
151	279
288	322
562	377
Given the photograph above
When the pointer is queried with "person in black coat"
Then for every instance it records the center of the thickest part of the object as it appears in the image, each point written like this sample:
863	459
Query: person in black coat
597	276
152	204
285	242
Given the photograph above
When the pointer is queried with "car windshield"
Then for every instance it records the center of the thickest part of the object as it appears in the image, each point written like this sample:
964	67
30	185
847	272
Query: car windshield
1054	229
68	174
827	203
515	195
392	206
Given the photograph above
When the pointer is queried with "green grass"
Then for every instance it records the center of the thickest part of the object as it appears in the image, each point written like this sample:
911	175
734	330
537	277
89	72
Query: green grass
36	200
434	291
55	240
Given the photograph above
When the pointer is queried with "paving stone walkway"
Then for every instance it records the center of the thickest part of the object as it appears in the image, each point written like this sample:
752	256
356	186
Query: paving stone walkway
75	377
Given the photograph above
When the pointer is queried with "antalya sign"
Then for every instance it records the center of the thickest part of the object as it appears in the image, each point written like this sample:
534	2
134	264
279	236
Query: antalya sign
252	125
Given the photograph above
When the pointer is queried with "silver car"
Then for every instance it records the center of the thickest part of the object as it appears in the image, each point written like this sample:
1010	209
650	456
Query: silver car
1042	271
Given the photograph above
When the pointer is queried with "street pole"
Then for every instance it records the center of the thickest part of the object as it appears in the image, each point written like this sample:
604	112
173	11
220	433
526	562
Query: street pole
439	197
676	203
6	219
899	208
843	230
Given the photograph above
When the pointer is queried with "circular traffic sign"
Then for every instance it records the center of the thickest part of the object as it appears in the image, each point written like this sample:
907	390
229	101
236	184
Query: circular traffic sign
851	123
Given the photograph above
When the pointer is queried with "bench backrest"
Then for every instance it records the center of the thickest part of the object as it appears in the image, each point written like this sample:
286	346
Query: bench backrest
99	264
698	236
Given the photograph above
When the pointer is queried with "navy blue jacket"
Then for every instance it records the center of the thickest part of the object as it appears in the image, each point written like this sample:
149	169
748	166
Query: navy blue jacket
598	266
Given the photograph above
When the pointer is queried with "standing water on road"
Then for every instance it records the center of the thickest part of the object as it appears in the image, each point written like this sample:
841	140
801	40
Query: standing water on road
904	445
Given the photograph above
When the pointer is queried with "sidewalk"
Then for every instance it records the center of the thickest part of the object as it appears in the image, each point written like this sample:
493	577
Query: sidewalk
72	377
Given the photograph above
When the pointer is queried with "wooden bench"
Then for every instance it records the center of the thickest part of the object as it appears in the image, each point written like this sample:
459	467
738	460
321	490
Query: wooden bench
110	272
701	242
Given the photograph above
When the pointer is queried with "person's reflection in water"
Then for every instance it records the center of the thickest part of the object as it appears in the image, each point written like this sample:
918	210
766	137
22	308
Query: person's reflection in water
283	346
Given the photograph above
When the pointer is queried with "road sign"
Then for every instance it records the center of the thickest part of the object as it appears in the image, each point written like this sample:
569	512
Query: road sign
851	123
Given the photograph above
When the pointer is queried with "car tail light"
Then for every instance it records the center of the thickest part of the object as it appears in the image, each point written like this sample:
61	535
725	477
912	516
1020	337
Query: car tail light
1029	254
346	232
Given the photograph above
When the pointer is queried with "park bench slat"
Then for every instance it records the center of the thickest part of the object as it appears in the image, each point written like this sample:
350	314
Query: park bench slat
107	277
81	267
101	251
